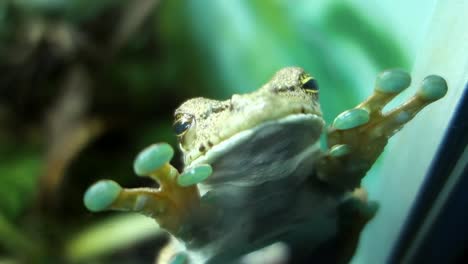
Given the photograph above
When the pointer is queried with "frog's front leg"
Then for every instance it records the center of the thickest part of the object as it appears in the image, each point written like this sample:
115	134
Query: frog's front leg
358	136
173	204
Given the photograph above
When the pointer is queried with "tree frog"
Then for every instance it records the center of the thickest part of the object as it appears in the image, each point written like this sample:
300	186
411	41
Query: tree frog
255	174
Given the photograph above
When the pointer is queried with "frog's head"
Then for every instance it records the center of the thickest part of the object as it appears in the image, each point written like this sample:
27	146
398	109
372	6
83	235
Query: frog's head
286	109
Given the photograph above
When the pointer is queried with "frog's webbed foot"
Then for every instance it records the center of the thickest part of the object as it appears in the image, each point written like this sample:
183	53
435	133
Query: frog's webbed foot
358	136
172	204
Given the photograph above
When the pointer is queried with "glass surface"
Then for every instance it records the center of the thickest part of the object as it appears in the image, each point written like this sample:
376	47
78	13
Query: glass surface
86	85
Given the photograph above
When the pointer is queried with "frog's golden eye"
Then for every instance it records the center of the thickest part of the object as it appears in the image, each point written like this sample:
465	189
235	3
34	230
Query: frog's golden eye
182	123
310	85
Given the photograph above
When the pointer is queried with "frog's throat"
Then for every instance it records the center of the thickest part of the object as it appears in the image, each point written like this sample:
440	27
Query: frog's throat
237	139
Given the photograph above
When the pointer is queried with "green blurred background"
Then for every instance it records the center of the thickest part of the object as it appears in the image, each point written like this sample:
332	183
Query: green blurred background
85	85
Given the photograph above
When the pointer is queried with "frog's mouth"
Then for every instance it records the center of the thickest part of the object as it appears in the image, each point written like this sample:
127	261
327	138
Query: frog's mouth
268	150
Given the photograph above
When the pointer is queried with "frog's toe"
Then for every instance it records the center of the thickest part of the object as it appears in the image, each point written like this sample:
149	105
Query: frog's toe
179	258
339	150
370	210
153	158
194	175
351	119
108	195
392	81
433	88
353	207
388	84
101	195
170	204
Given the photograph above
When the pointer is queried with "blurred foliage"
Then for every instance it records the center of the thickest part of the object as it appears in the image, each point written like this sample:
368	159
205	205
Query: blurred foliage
14	168
86	84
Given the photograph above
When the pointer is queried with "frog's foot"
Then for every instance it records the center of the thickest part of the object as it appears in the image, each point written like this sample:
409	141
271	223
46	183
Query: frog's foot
354	213
171	204
358	136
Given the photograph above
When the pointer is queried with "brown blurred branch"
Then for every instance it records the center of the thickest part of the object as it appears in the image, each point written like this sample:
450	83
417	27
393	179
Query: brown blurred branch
68	130
135	14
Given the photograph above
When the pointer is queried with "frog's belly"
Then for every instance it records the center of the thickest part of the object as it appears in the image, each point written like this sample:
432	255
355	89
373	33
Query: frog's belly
302	216
267	152
259	183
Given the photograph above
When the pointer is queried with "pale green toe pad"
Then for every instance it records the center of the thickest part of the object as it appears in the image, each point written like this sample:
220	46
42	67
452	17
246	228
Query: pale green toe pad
433	88
195	175
101	195
152	158
393	81
351	119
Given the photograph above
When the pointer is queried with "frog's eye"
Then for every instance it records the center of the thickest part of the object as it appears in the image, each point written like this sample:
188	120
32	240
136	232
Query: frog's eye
310	85
182	123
